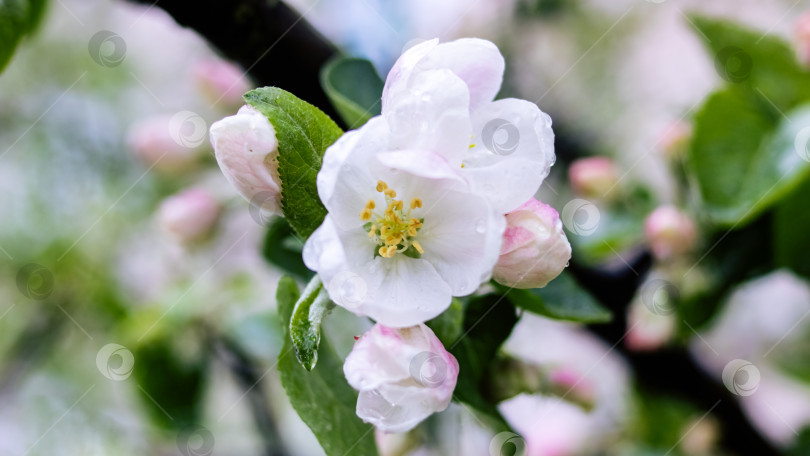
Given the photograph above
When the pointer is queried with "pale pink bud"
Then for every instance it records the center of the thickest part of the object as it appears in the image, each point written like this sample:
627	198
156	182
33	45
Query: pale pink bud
651	326
669	232
535	249
247	152
221	81
403	376
158	147
802	38
189	215
674	138
593	177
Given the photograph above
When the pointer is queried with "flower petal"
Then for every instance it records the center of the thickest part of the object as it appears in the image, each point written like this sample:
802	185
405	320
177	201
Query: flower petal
432	114
513	152
344	182
462	237
396	292
478	62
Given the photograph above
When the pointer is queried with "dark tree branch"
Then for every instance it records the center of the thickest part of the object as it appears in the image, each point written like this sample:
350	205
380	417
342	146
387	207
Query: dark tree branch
270	40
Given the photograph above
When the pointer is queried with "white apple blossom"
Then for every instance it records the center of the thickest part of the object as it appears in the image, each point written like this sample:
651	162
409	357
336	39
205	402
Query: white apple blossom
535	249
416	197
246	148
439	98
405	223
403	376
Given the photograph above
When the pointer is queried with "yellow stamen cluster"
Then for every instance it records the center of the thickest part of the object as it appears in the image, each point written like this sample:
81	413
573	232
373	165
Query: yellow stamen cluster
393	231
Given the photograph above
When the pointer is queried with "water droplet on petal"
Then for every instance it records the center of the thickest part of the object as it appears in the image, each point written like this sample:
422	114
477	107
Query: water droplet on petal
481	226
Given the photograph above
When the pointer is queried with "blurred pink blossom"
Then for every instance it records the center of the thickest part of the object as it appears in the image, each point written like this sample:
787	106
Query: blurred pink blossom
189	215
669	232
593	177
221	81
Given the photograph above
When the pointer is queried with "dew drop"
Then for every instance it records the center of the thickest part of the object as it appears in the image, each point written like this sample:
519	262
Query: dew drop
481	226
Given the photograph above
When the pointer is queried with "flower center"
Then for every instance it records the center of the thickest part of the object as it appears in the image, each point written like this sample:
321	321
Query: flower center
394	231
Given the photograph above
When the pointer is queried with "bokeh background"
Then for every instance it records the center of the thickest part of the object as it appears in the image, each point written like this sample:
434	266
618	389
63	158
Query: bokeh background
104	117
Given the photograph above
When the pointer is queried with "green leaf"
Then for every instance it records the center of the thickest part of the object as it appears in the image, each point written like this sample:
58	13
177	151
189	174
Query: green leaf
305	325
282	248
303	132
171	382
448	325
756	60
354	88
562	299
18	18
743	155
791	227
321	397
488	321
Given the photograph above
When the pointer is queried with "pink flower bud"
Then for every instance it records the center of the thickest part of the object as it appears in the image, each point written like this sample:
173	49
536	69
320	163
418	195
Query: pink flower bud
403	376
593	177
674	139
221	81
189	215
535	249
669	232
247	152
802	38
152	141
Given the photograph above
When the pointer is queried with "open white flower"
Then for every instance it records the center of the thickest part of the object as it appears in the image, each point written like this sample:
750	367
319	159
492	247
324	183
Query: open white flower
246	148
439	98
404	225
403	376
